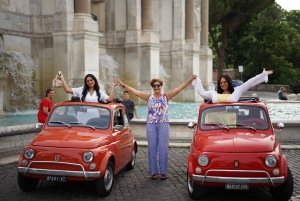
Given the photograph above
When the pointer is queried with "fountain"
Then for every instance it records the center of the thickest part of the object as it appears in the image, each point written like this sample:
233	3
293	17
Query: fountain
17	84
108	68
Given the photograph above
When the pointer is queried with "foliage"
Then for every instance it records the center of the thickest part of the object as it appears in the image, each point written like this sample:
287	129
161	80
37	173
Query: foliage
267	41
228	15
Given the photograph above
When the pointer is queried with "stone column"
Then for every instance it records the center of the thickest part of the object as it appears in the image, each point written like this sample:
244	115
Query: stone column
206	56
149	49
191	53
147	15
204	22
83	6
189	20
86	43
2	113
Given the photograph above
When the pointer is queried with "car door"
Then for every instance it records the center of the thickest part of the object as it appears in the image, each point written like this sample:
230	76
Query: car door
121	136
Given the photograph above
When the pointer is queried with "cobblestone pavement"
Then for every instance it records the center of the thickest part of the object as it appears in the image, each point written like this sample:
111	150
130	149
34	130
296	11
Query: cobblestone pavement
137	184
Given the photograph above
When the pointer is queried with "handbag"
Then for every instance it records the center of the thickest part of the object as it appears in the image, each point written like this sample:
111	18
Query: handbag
56	82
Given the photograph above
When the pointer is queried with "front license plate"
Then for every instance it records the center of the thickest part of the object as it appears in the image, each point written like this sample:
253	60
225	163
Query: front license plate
56	178
237	186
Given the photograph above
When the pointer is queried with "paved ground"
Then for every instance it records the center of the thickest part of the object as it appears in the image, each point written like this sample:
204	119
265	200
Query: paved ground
137	184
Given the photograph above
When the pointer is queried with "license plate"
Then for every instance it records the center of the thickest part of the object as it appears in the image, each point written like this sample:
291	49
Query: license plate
56	178
237	186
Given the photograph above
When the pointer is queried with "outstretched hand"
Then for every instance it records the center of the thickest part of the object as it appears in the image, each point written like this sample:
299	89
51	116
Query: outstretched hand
194	76
119	82
116	82
269	72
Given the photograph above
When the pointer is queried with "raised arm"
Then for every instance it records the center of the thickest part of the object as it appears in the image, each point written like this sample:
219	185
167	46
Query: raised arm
200	90
64	84
172	93
132	90
112	92
136	113
263	77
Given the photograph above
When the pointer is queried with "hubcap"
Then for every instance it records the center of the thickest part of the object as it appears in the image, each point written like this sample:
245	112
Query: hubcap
190	185
133	158
108	178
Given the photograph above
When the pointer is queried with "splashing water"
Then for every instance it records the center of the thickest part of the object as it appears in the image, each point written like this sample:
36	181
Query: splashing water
109	67
18	69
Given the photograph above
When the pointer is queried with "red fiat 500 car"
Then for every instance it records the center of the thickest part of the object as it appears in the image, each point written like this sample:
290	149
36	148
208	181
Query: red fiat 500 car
234	147
80	141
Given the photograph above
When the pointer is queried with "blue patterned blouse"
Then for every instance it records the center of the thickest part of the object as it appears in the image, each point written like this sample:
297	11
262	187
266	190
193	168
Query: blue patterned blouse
158	110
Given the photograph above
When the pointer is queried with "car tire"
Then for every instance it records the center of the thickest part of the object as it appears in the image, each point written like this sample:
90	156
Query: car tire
105	183
131	163
284	191
25	183
195	190
296	90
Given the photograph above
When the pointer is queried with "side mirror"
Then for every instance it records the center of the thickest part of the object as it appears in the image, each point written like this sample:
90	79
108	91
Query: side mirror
280	126
39	125
191	125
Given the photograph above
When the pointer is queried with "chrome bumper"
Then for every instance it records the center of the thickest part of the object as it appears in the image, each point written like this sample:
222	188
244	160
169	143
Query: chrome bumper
83	173
239	180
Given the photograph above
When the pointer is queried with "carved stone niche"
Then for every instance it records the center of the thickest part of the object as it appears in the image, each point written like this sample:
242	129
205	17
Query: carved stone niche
94	1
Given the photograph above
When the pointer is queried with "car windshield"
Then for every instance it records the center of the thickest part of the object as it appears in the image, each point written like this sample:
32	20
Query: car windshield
80	115
234	117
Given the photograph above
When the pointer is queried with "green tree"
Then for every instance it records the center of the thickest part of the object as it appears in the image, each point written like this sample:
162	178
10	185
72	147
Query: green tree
267	41
228	15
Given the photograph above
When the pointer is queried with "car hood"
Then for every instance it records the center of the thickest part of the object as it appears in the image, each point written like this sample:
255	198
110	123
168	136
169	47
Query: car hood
69	138
239	142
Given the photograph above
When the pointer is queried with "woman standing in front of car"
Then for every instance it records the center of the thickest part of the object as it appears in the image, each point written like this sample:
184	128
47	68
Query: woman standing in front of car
157	130
90	92
225	92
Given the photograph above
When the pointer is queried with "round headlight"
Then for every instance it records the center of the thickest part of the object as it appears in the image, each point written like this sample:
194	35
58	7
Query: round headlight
88	156
270	161
29	153
203	160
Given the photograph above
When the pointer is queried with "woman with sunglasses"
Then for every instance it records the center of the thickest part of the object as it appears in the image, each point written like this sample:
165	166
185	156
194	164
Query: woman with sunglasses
157	130
225	92
90	91
45	106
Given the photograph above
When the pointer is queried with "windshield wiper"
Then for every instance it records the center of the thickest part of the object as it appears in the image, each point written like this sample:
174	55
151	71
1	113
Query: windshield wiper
238	124
61	122
84	124
216	124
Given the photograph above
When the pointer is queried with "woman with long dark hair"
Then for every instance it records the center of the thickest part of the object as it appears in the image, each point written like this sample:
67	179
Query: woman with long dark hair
90	91
225	92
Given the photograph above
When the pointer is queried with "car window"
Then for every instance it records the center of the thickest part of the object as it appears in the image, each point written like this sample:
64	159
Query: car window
126	122
238	116
80	115
118	118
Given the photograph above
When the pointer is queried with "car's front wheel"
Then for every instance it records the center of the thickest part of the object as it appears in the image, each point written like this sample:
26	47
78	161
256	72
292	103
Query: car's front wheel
131	163
195	190
105	183
284	191
25	183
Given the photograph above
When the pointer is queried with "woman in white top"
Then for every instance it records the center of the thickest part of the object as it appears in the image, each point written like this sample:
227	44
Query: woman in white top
225	92
90	92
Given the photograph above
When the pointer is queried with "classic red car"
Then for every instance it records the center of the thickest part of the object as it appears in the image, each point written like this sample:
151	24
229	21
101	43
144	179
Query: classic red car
234	147
80	141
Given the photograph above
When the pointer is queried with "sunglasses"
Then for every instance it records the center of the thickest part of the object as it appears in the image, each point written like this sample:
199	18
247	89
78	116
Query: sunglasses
155	85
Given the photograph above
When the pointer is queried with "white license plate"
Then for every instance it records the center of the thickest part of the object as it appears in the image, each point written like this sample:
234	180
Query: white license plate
56	178
237	186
